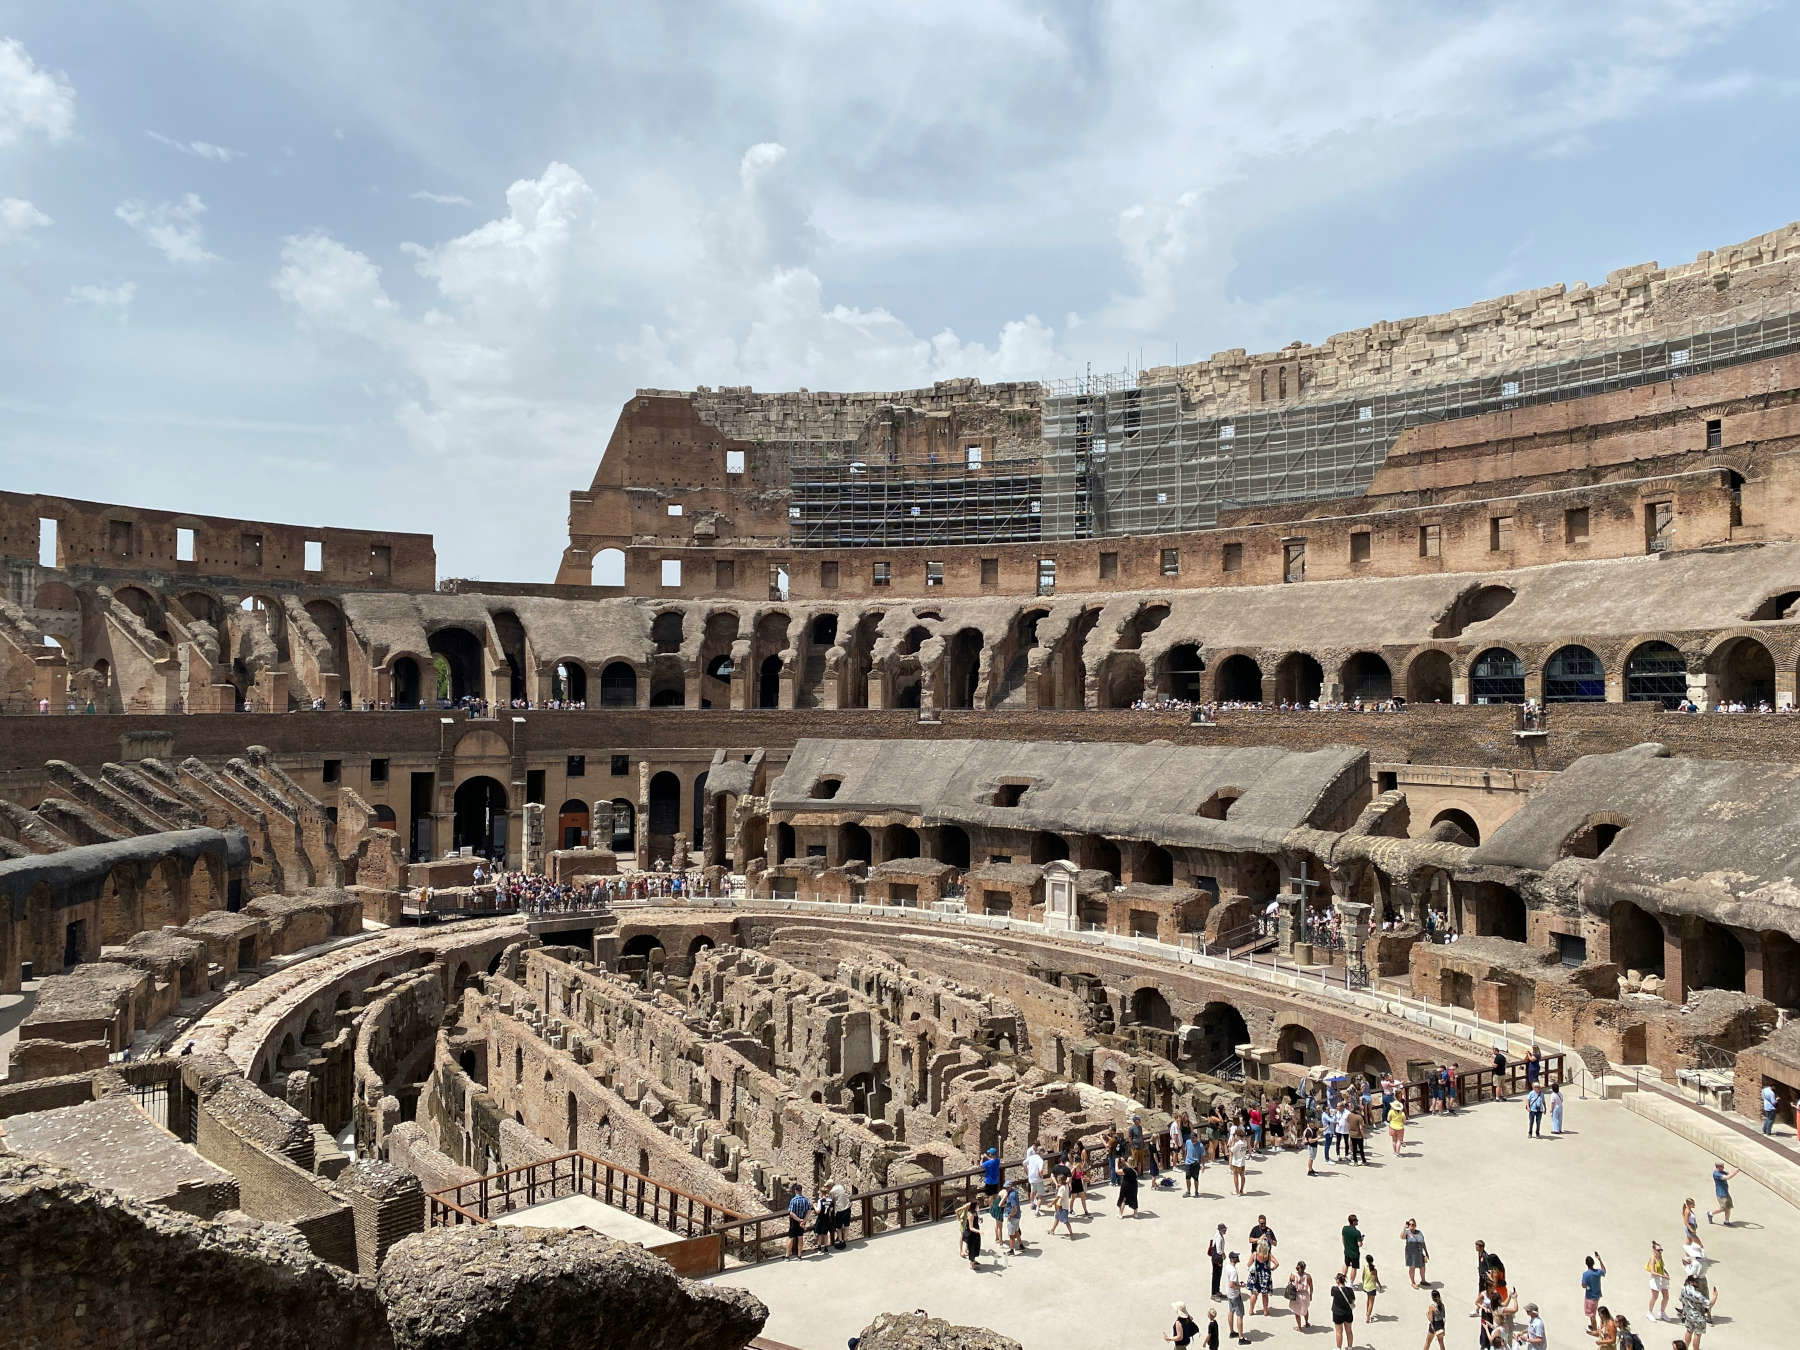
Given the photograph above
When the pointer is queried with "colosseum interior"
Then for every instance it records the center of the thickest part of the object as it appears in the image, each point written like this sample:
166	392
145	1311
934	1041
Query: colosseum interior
936	771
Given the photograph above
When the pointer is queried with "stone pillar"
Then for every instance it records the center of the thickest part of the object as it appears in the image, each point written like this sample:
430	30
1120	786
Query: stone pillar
600	824
1786	687
1288	923
1059	896
1675	959
1755	973
1699	690
1459	688
531	845
1354	915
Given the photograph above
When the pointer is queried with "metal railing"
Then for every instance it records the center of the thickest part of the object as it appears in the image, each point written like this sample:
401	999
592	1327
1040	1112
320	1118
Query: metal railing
484	1199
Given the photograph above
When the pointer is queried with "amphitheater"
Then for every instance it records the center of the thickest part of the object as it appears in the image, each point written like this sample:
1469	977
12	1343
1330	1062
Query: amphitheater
887	778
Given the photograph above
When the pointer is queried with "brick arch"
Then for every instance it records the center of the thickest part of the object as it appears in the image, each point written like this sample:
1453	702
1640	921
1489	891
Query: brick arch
1616	660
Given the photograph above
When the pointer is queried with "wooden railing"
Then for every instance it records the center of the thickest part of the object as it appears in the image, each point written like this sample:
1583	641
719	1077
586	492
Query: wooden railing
487	1198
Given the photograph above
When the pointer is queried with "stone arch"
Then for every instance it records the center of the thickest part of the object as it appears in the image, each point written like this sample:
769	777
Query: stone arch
962	669
1367	1061
1146	619
1150	1008
406	682
1183	671
572	824
1743	671
1635	938
1366	676
664	821
900	841
1715	958
1460	822
1121	680
1068	662
667	630
1239	680
1428	678
1574	674
1222	1030
1298	678
1048	847
1656	672
1475	605
607	568
462	650
624	829
953	845
854	844
1296	1044
568	681
668	682
1155	866
1497	675
480	804
618	685
1493	910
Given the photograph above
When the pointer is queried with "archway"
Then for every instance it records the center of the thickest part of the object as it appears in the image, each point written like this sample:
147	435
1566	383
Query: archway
1462	827
1297	1045
1150	1009
1121	680
1636	938
1368	677
1298	679
1499	911
1656	672
1428	678
784	843
1222	1030
1497	676
1716	958
644	945
1743	672
405	677
1155	866
900	841
461	651
854	844
572	824
699	815
1367	1061
568	683
1573	674
1185	669
665	816
1048	847
1239	680
618	685
768	683
607	568
624	828
667	630
953	845
480	817
962	669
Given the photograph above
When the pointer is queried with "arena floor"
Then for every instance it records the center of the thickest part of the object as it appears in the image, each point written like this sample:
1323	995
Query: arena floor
1613	1183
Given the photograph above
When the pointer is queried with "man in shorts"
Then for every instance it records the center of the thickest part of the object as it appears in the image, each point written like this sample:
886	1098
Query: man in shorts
1722	1192
1590	1291
1234	1300
1193	1156
798	1207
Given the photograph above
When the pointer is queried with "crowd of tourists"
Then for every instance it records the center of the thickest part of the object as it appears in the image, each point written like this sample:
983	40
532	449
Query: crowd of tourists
1337	1116
534	894
1207	711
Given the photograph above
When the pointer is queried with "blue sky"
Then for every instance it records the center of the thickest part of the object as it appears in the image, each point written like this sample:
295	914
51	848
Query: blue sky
397	265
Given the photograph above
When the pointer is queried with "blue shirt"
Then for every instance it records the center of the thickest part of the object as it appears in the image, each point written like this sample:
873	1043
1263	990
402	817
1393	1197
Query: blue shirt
1590	1283
799	1207
1192	1152
1721	1183
990	1171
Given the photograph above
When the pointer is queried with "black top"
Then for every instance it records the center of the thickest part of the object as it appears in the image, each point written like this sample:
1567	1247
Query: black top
1343	1303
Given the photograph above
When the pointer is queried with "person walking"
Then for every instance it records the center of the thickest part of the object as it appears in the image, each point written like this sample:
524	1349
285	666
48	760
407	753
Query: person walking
1590	1288
1434	1321
1034	1178
1359	1128
1215	1253
1697	1304
1658	1271
1234	1299
1060	1214
1534	1113
1193	1159
1128	1188
1078	1187
1182	1334
1353	1241
1721	1179
1300	1294
1556	1108
1416	1254
1013	1210
1690	1221
1371	1286
1396	1123
1309	1139
1238	1154
1343	1314
970	1236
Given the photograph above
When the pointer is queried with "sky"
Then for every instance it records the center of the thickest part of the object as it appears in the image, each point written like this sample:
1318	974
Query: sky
392	264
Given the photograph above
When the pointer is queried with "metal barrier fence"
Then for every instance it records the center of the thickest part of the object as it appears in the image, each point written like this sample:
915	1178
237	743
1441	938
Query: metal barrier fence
500	1193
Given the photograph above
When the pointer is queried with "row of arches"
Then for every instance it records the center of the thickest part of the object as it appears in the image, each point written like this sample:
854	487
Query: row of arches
480	808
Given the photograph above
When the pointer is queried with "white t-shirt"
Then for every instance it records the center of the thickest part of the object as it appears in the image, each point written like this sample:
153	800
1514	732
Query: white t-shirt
1240	1152
1234	1280
1034	1167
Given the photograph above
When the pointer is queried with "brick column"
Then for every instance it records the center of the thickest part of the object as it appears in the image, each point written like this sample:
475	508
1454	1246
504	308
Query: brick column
1755	974
1675	959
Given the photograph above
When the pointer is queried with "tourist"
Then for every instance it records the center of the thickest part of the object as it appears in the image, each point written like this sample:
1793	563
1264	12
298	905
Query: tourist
1434	1321
1606	1333
1697	1304
1185	1329
1238	1152
1193	1155
970	1238
990	1174
1358	1125
1769	1105
1690	1221
1262	1276
1534	1063
1627	1338
1371	1286
1434	1082
1014	1238
1499	1073
1556	1108
840	1197
1128	1188
1134	1136
1534	1113
1078	1184
1416	1254
1034	1178
824	1220
798	1208
1536	1338
1343	1313
1658	1271
1487	1335
1215	1253
1721	1179
1396	1123
1590	1288
997	1212
1261	1232
1353	1240
1234	1299
1484	1267
1061	1213
1309	1139
1300	1292
1342	1126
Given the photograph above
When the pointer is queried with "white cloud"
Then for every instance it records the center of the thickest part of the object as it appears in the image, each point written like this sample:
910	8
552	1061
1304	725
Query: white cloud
441	198
32	98
173	228
108	299
17	217
198	149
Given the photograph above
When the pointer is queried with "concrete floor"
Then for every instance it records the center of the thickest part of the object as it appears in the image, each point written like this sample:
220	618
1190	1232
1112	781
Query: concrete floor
582	1211
1613	1183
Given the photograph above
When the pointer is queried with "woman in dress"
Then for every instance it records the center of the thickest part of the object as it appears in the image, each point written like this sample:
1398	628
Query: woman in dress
970	1238
1434	1321
1262	1277
1078	1185
1371	1286
1697	1304
1128	1187
1556	1108
1416	1254
1300	1292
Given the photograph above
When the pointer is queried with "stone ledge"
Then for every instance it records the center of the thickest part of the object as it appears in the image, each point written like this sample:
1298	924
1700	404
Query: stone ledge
1723	1142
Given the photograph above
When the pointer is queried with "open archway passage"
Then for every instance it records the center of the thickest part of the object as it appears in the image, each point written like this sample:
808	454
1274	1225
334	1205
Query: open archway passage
618	686
1745	672
1220	1030
1297	1045
461	653
1428	678
572	824
1574	675
1498	676
1368	678
1656	672
1150	1009
406	683
480	817
1185	670
1240	680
